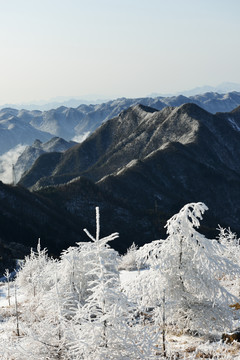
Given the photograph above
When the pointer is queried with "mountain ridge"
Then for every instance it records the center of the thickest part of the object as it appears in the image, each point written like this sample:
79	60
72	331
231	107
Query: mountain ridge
77	123
112	139
186	149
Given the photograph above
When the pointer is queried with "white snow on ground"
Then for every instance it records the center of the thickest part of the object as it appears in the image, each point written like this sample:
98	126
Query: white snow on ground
126	276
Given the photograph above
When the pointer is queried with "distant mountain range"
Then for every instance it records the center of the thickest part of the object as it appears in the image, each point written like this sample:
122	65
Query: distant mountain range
140	168
222	88
75	101
56	102
24	127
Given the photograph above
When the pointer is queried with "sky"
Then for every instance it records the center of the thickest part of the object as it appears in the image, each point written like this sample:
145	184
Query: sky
115	48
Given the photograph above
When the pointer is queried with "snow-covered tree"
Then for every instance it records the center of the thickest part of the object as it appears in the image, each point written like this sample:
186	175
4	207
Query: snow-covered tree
41	317
32	271
190	266
186	267
100	328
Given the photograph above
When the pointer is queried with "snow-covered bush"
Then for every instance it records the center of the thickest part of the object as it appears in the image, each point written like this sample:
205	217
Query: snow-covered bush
129	260
231	244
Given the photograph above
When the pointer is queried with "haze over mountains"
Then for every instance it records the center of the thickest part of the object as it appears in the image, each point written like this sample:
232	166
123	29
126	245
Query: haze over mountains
139	167
75	101
31	153
222	88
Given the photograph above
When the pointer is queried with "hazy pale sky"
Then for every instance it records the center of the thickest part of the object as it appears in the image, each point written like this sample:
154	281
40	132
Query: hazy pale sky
115	48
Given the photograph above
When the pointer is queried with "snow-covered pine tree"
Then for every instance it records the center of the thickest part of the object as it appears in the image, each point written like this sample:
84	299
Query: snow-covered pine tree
102	325
31	274
190	266
41	317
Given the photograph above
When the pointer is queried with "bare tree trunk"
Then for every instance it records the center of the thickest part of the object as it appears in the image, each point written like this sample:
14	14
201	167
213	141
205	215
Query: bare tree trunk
16	310
164	325
105	328
9	303
180	260
104	334
7	276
